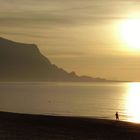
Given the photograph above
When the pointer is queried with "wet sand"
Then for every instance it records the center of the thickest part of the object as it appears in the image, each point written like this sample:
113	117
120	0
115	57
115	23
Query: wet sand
38	127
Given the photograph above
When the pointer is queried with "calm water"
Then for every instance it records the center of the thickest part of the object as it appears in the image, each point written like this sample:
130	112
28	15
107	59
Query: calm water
73	99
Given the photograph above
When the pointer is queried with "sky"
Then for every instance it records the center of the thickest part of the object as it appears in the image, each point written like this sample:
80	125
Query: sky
90	37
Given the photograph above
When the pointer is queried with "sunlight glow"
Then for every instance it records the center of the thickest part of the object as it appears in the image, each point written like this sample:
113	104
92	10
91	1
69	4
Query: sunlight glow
130	31
133	103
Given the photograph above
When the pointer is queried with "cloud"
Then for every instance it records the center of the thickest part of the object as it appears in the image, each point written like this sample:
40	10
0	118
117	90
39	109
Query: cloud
61	12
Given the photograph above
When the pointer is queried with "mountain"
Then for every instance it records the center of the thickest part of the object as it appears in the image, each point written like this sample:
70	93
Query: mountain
24	62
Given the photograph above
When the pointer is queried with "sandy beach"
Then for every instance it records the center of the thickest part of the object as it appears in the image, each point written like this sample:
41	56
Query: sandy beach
38	127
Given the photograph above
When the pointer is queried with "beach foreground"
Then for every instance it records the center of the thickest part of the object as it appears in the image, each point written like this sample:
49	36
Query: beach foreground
38	127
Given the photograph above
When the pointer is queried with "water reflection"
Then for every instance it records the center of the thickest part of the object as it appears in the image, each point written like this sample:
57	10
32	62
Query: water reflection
133	102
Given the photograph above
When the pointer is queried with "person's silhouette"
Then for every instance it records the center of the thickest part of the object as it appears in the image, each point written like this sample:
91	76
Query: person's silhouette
117	116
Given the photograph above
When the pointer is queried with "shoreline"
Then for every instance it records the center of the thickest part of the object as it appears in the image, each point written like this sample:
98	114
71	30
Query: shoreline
14	126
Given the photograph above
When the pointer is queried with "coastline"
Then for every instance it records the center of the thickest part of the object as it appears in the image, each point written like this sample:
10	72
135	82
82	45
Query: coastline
14	126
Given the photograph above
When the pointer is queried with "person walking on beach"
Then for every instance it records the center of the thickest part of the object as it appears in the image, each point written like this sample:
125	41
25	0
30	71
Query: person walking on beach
117	116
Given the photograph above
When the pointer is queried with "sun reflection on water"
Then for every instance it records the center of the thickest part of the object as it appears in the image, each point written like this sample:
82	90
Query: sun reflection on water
133	102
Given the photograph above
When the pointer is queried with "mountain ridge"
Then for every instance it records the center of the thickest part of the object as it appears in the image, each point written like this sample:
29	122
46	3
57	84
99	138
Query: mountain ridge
24	62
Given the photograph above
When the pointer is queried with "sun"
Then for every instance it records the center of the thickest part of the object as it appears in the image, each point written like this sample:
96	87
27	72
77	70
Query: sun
130	31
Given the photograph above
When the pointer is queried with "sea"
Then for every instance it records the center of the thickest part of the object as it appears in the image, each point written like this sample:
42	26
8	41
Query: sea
85	99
